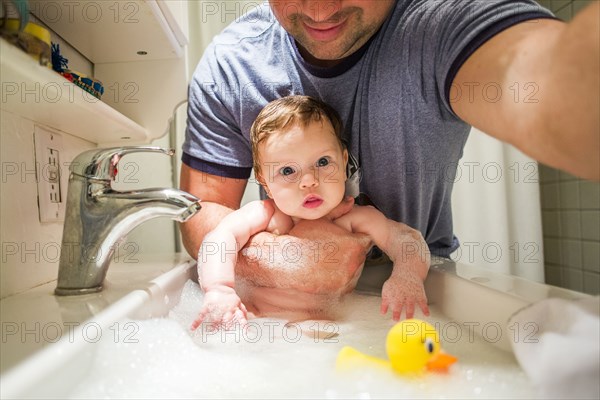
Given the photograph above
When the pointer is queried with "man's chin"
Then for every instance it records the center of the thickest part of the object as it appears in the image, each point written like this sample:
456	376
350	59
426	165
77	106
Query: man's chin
323	54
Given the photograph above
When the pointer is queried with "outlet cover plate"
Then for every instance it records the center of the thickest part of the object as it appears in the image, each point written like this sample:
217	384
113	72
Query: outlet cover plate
49	155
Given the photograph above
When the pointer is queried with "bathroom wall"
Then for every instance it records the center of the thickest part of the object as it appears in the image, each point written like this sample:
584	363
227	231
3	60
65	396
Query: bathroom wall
31	249
570	212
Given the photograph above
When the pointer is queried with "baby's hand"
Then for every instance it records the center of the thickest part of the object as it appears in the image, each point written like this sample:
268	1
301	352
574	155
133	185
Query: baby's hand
222	308
403	289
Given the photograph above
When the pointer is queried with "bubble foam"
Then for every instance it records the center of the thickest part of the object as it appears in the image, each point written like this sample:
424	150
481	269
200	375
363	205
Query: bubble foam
276	359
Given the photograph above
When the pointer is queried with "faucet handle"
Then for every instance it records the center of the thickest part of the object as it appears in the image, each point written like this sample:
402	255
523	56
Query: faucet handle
101	164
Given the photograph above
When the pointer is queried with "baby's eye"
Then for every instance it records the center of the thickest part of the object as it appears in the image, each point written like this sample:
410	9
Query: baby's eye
323	162
285	171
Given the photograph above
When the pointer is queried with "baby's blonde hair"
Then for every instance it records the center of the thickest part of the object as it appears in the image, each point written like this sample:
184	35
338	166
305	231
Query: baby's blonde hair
287	111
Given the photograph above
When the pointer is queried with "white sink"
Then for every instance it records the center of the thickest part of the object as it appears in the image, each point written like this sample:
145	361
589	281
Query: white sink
460	297
41	330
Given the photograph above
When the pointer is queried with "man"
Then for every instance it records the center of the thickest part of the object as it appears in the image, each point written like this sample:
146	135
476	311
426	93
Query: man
409	78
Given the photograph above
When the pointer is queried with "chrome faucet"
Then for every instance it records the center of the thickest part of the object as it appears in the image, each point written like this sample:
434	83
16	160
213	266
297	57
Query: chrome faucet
97	217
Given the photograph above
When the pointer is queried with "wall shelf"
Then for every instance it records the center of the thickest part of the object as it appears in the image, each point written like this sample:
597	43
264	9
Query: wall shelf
42	95
115	31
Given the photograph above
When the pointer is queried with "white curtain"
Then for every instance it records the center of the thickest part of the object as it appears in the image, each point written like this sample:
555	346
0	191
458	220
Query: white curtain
207	18
496	209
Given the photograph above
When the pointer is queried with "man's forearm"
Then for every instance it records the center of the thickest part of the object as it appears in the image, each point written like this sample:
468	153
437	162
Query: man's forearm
194	230
548	73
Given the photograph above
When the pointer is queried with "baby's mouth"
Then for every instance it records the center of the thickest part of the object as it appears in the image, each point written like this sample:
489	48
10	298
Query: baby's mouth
312	201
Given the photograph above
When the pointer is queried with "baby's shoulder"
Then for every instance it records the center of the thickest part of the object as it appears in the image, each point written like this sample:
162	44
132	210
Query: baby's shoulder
280	223
358	212
358	216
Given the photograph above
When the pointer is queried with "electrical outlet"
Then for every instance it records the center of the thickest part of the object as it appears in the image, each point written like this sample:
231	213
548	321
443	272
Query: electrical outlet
48	151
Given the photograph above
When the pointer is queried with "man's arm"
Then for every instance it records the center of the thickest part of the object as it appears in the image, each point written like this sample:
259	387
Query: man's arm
548	73
219	196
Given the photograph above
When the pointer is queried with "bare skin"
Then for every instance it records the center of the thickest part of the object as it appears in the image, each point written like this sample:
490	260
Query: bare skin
200	184
300	275
561	129
306	183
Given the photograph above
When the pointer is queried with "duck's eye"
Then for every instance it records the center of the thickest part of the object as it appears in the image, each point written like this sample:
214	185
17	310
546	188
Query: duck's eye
323	162
285	171
429	345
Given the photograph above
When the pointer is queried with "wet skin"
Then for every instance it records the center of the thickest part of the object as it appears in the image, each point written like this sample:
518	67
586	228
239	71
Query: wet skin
300	274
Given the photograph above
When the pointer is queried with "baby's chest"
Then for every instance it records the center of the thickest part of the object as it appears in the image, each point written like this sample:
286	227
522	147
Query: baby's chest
330	235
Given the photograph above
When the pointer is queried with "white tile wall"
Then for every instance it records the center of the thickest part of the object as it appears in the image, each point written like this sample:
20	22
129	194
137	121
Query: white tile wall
30	249
570	210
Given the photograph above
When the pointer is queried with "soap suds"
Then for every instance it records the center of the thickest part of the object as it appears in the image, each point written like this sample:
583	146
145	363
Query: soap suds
272	358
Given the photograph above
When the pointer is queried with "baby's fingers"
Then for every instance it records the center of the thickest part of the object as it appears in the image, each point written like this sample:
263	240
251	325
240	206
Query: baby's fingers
424	307
410	309
384	306
240	316
233	319
396	308
199	319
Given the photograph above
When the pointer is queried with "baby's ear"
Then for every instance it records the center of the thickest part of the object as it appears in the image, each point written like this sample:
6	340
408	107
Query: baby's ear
345	155
261	182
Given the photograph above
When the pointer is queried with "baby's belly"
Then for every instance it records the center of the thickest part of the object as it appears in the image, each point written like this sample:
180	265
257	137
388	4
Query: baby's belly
288	304
306	272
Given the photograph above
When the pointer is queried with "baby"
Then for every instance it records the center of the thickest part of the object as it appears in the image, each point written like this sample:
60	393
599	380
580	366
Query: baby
300	161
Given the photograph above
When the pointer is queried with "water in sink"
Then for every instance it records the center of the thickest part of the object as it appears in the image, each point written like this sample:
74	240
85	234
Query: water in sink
161	358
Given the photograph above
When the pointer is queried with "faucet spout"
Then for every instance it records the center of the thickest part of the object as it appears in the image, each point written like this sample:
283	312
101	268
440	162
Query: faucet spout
98	217
138	206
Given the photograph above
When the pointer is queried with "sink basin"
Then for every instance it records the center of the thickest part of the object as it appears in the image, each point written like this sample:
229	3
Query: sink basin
40	330
135	343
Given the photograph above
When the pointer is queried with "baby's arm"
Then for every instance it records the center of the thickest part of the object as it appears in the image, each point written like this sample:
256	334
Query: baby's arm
217	259
406	248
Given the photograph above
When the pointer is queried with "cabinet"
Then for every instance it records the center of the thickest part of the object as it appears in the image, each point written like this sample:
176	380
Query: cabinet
111	31
115	36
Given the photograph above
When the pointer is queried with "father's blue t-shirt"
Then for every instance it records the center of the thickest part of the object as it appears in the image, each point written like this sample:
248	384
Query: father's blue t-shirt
393	96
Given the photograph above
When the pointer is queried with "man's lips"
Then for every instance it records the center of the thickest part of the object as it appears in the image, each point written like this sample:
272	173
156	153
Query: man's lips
312	201
324	32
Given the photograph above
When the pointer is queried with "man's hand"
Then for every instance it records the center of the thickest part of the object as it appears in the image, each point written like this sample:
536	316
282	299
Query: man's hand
315	257
222	308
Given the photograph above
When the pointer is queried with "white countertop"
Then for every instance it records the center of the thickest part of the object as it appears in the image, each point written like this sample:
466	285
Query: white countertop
36	318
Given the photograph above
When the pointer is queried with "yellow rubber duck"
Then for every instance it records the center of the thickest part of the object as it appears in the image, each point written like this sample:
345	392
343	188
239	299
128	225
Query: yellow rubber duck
412	346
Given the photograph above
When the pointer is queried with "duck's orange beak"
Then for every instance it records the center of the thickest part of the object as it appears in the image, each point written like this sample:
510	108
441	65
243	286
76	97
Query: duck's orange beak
441	362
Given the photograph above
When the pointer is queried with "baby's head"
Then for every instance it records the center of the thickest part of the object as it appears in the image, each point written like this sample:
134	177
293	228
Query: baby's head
281	114
299	155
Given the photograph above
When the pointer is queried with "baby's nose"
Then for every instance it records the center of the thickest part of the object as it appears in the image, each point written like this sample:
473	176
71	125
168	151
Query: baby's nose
310	179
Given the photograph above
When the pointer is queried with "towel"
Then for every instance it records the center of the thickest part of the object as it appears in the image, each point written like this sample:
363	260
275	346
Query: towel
558	346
